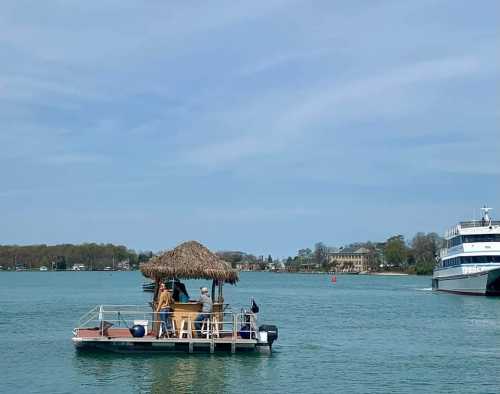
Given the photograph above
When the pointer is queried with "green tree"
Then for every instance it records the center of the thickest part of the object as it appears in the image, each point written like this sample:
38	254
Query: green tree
304	253
395	251
423	248
321	253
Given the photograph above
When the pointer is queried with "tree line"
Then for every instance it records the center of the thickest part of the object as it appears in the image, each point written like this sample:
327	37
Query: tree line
417	256
61	257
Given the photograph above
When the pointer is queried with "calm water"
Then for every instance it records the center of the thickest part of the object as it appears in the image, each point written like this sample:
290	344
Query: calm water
360	335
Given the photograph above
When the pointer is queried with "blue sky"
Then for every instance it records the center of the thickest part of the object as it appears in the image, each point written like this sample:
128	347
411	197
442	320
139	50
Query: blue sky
256	126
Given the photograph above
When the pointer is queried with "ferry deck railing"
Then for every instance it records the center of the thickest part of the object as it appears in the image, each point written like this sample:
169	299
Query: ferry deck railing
479	223
226	324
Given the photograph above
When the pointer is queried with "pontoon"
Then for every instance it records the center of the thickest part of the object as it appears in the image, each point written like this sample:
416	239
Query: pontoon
132	328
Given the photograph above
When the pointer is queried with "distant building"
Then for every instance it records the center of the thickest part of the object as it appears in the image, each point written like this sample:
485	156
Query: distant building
355	261
247	266
123	265
310	266
277	266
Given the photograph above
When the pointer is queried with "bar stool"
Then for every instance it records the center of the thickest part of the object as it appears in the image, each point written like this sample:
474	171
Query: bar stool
185	328
205	328
215	327
168	333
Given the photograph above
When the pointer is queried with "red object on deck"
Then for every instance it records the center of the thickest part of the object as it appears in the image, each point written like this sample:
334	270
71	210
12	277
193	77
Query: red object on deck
334	279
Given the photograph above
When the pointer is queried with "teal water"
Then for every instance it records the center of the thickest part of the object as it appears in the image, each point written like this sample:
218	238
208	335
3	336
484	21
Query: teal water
363	334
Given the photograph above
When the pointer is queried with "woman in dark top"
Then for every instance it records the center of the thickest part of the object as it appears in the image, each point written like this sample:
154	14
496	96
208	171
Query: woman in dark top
180	292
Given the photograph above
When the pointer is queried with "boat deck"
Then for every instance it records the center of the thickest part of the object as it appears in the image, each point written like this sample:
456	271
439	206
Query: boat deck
120	340
106	328
124	333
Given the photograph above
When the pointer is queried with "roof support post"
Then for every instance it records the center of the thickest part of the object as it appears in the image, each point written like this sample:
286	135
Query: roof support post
213	290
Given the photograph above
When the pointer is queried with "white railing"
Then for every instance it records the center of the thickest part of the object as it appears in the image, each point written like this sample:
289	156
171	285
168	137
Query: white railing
218	324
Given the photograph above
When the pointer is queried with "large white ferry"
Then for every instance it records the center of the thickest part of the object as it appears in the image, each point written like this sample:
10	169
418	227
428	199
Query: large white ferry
470	260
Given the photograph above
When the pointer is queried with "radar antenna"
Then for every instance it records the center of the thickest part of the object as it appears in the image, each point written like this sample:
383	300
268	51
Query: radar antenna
486	217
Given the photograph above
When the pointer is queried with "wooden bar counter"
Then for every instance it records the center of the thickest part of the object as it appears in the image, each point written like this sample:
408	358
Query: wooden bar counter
190	310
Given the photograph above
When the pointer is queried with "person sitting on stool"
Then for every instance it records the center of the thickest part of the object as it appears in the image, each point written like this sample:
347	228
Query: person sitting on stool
206	310
165	309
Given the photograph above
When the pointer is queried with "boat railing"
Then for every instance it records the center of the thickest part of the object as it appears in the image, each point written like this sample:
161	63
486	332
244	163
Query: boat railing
224	324
479	223
89	316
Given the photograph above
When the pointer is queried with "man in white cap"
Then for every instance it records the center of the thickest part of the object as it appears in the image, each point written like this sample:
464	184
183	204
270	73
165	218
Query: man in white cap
206	310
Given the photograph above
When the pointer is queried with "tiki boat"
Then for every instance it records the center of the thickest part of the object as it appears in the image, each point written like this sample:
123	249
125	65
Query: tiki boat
137	328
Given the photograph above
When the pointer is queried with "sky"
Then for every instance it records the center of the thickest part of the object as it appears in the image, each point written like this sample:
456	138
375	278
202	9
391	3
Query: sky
261	126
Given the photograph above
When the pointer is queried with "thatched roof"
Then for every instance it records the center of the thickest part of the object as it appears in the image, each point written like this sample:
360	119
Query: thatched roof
189	260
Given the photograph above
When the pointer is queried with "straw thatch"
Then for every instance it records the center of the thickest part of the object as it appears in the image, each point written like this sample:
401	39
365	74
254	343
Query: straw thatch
189	260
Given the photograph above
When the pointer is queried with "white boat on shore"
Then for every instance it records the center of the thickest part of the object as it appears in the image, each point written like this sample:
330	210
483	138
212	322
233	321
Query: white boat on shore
470	261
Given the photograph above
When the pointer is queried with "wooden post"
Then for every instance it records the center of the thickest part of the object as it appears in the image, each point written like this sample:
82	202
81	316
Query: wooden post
213	290
155	326
220	298
233	339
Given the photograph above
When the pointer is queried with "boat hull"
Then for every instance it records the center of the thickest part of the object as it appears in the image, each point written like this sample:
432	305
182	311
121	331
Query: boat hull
486	283
153	345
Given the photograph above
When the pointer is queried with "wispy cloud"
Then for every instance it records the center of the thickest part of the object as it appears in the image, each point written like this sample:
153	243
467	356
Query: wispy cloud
198	117
280	60
332	101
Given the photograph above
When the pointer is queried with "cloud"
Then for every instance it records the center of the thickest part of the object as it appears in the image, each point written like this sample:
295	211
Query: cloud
268	107
281	59
31	88
330	102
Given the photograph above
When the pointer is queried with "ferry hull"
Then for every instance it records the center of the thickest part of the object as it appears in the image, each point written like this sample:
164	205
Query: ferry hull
482	283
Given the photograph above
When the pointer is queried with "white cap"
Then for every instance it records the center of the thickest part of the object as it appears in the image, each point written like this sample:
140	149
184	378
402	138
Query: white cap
204	290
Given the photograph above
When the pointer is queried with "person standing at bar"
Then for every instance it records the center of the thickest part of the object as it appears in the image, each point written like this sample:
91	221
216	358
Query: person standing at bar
164	308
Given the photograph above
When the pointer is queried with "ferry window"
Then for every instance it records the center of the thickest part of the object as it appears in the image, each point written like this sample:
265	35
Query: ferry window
481	238
480	260
455	241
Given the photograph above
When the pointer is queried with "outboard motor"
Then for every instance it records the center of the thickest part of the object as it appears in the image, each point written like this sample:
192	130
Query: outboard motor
268	334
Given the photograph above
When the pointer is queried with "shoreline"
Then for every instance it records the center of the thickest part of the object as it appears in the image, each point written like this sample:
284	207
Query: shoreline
389	274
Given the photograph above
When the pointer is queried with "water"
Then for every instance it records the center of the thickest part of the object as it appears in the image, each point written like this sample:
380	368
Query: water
363	334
